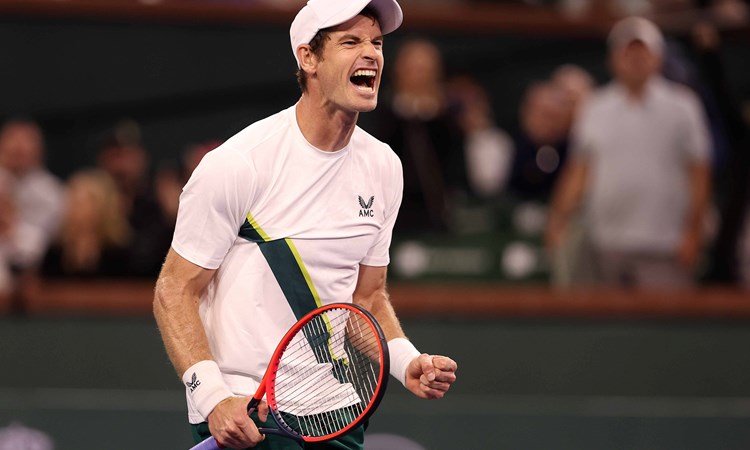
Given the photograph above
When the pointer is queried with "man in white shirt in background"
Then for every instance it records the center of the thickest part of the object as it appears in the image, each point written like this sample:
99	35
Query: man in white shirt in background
640	165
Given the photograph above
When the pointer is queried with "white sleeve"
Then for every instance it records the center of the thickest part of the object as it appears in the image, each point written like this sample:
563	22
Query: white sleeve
489	156
213	207
378	255
37	226
695	135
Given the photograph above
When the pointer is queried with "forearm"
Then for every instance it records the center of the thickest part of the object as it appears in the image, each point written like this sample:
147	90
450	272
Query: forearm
176	313
371	294
426	376
379	305
700	188
569	192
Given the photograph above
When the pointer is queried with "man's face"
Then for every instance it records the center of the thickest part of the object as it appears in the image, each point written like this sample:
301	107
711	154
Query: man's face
350	68
634	63
544	114
418	66
21	148
126	164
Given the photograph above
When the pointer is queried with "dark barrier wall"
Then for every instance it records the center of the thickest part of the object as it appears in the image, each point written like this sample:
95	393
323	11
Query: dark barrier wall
523	385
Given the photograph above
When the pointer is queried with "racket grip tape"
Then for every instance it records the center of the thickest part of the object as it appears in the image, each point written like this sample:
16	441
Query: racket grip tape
208	444
252	405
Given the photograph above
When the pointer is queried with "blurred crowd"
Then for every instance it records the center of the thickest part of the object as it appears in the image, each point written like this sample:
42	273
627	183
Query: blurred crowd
624	169
110	220
644	178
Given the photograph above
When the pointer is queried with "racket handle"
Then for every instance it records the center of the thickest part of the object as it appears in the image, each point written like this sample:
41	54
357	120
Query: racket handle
211	444
251	405
208	444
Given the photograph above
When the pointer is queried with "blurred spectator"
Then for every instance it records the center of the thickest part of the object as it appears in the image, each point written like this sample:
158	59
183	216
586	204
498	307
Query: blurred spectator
734	190
542	143
33	197
418	125
731	13
640	160
171	179
488	149
7	222
124	158
94	236
576	85
743	263
546	115
571	262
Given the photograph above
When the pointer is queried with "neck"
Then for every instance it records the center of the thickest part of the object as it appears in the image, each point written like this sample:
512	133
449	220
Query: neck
17	172
327	128
636	90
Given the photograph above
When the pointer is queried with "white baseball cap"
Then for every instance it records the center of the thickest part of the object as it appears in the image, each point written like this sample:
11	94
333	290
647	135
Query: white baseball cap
637	29
320	14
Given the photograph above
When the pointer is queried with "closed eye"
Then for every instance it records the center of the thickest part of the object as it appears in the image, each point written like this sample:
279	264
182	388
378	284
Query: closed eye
349	40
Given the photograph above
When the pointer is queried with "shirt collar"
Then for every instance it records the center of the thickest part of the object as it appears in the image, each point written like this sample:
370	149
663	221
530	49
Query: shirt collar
651	92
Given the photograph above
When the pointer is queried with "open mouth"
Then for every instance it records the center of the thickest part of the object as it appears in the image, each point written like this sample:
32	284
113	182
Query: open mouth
364	79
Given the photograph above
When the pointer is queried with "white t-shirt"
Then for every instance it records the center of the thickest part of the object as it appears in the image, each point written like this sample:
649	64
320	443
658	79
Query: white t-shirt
268	204
639	154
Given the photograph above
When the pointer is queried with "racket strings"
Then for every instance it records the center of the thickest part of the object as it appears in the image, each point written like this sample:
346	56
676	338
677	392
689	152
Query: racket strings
324	423
303	369
329	373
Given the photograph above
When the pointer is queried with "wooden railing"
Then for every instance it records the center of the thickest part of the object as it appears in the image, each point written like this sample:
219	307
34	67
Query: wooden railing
473	18
425	300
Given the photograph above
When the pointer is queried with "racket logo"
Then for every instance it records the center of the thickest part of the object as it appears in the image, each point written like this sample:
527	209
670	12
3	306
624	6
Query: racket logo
366	211
193	383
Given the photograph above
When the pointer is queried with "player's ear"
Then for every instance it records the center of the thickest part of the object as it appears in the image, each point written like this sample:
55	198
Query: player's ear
307	59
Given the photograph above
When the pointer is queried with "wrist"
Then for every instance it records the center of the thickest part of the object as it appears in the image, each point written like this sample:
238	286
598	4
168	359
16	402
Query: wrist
401	352
205	386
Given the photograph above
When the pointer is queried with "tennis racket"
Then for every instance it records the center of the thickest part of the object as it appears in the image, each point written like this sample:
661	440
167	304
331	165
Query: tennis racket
326	376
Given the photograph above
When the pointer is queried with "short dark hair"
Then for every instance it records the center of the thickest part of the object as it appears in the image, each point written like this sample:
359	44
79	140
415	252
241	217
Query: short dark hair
318	43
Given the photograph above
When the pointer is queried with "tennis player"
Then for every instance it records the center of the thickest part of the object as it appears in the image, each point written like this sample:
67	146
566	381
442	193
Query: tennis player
294	211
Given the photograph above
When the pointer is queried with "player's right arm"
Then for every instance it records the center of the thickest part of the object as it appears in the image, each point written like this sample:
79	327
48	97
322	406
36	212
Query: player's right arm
176	301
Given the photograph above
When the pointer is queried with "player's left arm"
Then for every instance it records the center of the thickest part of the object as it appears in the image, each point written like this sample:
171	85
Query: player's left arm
695	142
426	376
700	193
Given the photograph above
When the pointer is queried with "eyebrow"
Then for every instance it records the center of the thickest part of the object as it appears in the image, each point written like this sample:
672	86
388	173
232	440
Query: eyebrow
357	38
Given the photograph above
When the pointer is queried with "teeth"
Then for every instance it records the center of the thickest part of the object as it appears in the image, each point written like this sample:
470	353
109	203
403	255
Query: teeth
364	73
